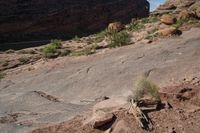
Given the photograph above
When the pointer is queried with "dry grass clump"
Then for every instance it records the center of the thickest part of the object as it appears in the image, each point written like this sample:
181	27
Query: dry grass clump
146	87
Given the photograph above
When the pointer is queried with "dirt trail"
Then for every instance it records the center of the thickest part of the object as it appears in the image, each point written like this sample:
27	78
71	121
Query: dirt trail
73	80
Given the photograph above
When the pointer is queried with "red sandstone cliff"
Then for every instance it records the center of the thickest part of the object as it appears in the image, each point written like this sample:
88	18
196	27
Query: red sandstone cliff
22	20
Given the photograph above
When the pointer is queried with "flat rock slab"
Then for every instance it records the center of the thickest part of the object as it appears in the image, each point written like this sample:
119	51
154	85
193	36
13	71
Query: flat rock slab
73	79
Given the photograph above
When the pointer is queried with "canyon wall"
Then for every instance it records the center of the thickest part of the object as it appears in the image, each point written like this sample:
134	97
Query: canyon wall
28	20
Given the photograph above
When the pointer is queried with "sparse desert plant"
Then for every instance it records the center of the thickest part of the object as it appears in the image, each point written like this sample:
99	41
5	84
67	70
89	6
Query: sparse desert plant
118	39
10	51
24	60
50	50
144	20
65	52
136	26
96	38
152	35
5	63
85	51
153	19
30	51
180	22
146	87
189	20
2	75
100	36
76	38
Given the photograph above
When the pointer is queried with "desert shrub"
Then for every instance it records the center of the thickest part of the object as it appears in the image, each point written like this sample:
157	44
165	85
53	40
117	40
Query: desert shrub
5	63
153	19
65	52
100	36
76	38
144	20
2	75
146	87
118	39
30	51
97	38
23	60
51	49
136	26
180	22
152	35
85	51
10	51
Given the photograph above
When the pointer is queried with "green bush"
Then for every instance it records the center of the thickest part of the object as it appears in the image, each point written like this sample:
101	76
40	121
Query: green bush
136	26
153	19
50	50
96	38
118	39
2	75
85	51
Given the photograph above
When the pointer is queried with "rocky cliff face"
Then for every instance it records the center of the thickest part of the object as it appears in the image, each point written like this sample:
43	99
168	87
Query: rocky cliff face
22	20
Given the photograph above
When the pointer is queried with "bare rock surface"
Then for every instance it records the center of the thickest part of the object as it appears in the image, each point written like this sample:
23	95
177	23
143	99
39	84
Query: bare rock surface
59	89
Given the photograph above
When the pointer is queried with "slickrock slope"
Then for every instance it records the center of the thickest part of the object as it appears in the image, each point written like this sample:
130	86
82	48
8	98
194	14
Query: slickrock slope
54	91
38	20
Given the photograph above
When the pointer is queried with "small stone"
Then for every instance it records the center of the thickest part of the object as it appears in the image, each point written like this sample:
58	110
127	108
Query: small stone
108	131
167	19
115	27
168	31
101	118
111	105
167	105
122	127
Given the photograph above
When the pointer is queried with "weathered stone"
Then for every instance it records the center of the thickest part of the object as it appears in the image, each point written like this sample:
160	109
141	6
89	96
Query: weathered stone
101	118
167	7
168	31
39	20
122	127
111	104
168	19
115	27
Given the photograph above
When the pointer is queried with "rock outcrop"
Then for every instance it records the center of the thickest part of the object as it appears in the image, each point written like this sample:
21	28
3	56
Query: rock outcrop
22	20
179	5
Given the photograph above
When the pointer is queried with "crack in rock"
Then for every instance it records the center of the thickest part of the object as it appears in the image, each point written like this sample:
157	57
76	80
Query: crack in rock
46	96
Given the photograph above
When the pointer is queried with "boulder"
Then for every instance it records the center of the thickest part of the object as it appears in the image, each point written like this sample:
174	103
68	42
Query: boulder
111	105
115	27
168	19
168	31
167	7
101	118
122	127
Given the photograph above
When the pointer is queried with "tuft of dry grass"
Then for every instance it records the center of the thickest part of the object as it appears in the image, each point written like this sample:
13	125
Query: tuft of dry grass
146	87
